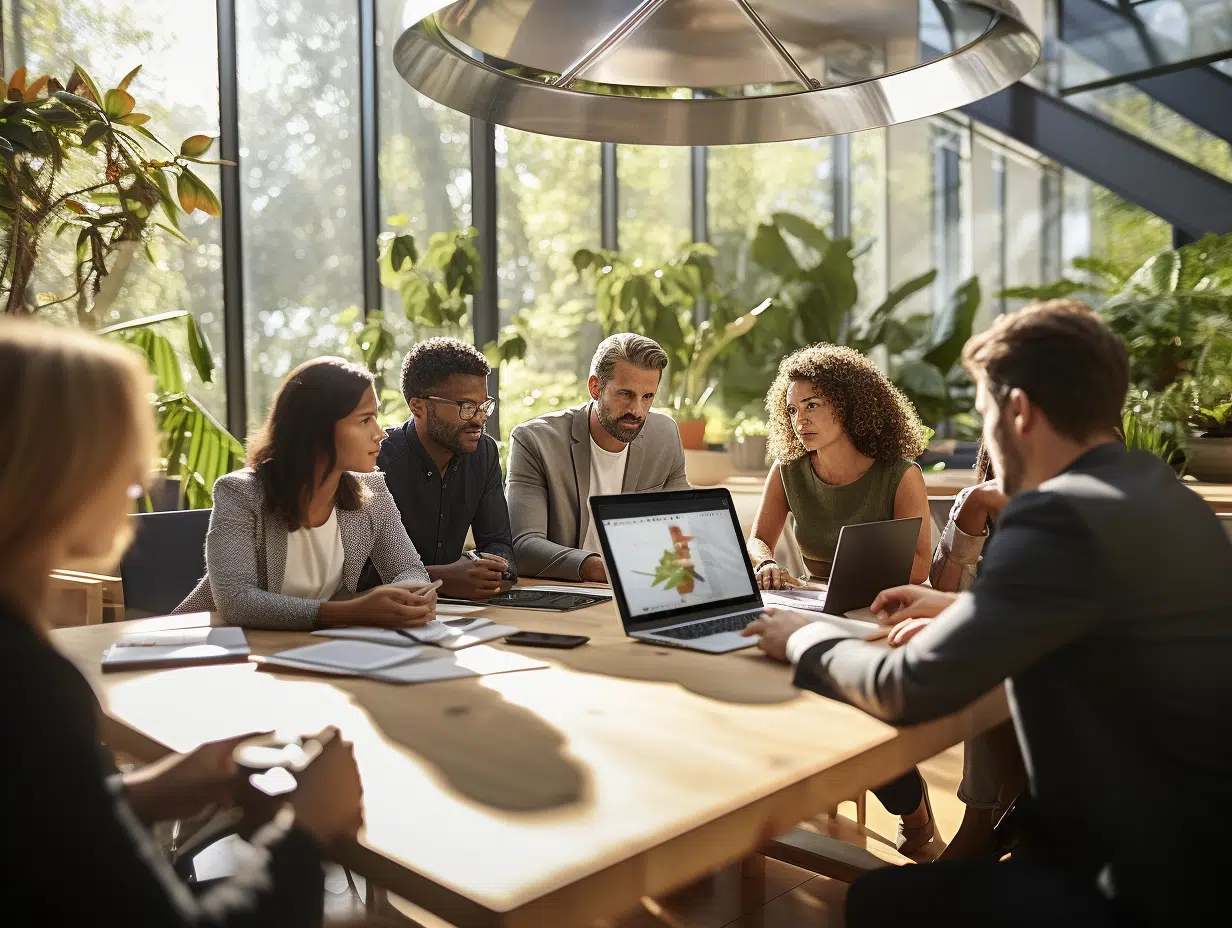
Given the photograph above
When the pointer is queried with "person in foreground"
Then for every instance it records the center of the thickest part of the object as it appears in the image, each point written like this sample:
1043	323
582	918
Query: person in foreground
613	444
81	851
290	535
445	473
845	441
1103	598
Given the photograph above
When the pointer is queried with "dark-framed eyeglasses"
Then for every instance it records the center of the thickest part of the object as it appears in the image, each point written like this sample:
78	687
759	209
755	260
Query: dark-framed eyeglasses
467	408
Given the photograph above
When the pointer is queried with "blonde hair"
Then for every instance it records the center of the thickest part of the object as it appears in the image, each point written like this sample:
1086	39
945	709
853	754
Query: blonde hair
73	410
638	350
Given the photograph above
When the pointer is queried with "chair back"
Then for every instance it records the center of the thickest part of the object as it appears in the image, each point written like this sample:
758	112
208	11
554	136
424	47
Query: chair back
939	508
1226	519
166	560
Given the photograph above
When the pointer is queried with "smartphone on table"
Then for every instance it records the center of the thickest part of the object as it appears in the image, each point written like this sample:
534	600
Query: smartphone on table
545	640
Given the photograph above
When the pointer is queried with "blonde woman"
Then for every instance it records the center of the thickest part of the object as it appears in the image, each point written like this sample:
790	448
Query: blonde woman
79	445
290	534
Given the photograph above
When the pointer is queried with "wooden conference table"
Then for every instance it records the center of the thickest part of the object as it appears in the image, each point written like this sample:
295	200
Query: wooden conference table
545	797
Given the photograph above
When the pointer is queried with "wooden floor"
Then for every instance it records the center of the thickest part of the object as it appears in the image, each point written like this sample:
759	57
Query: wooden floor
787	897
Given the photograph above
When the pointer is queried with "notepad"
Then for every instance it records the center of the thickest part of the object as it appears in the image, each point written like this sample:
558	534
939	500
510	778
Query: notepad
452	635
176	648
393	664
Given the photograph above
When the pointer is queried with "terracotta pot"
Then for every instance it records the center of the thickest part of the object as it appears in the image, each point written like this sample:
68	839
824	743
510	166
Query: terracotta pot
1209	459
692	433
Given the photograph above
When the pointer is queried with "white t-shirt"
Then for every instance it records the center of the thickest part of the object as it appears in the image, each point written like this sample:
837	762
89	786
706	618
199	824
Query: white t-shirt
607	478
314	561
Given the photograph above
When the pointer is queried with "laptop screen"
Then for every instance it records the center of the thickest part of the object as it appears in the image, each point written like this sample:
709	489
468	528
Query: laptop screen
672	553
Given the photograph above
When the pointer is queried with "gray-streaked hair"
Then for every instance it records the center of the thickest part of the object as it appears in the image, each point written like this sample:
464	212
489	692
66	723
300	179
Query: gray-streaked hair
638	350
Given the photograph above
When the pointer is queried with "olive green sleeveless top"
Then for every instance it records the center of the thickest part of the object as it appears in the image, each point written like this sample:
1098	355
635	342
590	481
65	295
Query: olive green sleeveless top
820	510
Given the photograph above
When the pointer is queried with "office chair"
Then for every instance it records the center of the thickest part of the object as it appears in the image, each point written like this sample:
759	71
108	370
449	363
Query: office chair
165	561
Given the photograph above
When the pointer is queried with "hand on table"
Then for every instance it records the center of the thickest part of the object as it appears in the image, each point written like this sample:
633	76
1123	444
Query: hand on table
774	577
899	603
774	627
467	578
382	607
328	798
181	785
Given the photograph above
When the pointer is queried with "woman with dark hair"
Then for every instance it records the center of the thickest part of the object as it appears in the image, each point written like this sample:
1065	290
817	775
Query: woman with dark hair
845	441
290	534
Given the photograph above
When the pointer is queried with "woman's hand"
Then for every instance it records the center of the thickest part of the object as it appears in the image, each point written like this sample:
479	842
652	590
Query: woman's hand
181	785
328	797
774	577
383	607
904	631
979	505
909	602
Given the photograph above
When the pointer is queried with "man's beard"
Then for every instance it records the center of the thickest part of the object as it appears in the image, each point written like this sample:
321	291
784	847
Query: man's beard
619	429
1011	468
446	436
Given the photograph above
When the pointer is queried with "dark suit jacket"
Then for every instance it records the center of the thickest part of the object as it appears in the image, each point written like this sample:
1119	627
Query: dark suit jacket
1105	598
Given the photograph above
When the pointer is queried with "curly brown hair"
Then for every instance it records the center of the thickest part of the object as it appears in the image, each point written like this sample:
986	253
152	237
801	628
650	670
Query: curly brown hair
877	417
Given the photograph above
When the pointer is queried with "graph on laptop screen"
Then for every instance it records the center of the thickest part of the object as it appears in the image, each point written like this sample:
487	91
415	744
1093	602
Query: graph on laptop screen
677	560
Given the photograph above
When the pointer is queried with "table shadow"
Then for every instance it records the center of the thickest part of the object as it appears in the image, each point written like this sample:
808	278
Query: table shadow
738	677
485	747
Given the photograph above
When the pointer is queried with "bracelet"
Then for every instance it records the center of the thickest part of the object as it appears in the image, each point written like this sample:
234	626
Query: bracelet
761	564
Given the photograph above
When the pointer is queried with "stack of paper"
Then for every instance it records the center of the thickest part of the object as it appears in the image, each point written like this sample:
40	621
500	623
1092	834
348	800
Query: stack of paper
452	634
176	648
394	664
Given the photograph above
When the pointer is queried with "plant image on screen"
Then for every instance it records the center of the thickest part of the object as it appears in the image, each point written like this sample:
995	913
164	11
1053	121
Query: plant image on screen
675	567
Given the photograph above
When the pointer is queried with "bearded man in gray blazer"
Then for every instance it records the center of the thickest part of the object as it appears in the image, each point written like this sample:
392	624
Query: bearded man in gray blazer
613	444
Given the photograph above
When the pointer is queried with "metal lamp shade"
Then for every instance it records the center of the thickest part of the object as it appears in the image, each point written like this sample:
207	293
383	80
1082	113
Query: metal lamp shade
710	72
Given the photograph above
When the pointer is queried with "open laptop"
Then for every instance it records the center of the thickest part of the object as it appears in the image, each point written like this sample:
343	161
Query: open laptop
682	577
679	569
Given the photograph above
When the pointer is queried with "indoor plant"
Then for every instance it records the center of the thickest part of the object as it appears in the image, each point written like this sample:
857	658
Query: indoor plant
1208	446
659	301
74	158
749	440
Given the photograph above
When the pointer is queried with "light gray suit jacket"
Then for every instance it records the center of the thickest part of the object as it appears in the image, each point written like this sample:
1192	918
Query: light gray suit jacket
246	554
549	485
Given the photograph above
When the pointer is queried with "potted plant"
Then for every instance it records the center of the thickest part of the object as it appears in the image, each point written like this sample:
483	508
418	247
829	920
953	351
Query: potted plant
76	159
1208	447
749	442
659	302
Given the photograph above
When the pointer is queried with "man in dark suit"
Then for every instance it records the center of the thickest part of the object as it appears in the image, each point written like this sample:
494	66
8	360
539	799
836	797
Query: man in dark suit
1105	600
444	472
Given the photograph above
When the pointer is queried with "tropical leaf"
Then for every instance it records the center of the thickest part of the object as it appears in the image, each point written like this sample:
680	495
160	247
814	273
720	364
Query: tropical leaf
952	326
401	250
160	357
872	327
770	250
800	228
128	78
196	145
198	345
117	103
199	448
1054	291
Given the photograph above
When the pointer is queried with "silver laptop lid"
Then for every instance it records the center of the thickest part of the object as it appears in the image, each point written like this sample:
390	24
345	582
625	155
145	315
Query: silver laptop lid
674	556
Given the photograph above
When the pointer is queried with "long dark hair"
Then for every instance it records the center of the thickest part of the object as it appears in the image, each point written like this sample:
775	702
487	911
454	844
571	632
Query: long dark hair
298	434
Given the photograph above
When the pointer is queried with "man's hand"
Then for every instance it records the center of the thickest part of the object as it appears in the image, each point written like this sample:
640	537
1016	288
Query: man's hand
594	570
904	631
775	626
910	602
467	578
181	785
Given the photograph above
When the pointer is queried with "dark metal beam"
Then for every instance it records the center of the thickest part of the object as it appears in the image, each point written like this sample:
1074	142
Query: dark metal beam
234	355
369	156
485	308
609	199
1200	93
1173	189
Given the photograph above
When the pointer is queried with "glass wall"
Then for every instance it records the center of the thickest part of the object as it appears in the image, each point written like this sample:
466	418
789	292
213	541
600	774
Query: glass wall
936	193
548	208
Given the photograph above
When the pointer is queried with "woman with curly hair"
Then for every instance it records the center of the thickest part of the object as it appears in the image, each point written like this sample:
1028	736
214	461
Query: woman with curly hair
845	441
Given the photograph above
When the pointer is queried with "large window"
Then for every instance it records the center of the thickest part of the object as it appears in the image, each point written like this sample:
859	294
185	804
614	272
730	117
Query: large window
655	197
868	213
178	87
748	184
548	207
300	172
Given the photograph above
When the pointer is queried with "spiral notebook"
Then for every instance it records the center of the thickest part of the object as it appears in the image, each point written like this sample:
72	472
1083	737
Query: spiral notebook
177	648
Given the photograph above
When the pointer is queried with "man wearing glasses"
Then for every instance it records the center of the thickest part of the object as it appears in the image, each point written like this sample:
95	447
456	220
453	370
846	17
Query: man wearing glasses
444	472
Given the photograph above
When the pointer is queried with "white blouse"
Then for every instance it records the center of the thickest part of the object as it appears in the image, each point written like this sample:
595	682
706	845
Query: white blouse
314	561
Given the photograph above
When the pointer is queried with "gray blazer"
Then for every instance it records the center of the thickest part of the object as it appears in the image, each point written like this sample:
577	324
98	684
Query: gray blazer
549	484
246	554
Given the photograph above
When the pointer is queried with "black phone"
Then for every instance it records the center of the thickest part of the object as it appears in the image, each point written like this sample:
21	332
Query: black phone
544	640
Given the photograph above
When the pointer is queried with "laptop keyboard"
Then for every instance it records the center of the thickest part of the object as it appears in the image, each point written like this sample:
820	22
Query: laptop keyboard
727	623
